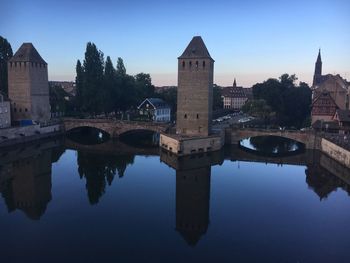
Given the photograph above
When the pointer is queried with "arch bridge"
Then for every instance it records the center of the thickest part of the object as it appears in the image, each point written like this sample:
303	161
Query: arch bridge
235	135
114	127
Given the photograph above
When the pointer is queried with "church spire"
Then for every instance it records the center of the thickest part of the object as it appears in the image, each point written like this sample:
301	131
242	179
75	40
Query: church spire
319	56
318	69
234	83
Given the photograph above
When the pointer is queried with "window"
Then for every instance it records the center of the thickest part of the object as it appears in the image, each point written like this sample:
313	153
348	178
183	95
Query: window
183	64
20	109
203	64
15	110
197	116
190	64
196	64
185	116
25	109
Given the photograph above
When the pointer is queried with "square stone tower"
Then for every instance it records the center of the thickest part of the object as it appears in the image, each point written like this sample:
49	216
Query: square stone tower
195	90
28	85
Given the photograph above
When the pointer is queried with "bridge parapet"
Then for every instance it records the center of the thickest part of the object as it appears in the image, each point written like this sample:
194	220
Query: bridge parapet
114	127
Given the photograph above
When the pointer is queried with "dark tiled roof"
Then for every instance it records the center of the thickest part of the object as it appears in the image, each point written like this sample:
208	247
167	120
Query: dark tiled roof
233	92
196	49
343	115
156	102
27	53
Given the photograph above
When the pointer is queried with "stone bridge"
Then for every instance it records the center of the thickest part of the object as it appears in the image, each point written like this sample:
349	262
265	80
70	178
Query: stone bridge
114	127
309	138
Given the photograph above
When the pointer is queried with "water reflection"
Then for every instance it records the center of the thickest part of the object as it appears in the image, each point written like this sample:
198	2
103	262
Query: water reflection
192	192
25	176
99	170
272	145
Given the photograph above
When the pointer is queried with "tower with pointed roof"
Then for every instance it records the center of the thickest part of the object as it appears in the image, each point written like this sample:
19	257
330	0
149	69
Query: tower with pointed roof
28	85
195	90
318	70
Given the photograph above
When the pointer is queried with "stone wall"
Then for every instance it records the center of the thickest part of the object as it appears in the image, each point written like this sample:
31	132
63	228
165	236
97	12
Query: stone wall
15	135
5	114
336	152
186	146
29	91
113	127
194	96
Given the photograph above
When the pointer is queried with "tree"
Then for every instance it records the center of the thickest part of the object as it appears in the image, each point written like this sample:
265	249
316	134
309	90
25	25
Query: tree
5	55
109	89
258	108
79	85
144	87
125	88
217	99
93	79
290	102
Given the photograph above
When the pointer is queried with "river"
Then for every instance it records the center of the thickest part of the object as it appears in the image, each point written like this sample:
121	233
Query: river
66	202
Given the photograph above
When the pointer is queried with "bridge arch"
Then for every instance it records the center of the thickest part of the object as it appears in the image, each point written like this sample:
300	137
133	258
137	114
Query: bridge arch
114	128
72	128
307	138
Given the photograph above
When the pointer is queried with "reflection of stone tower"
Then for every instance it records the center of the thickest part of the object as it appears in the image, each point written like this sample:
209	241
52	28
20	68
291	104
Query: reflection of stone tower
318	70
192	203
30	189
195	89
28	85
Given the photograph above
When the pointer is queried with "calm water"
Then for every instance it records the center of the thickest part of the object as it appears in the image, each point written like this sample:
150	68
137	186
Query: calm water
112	202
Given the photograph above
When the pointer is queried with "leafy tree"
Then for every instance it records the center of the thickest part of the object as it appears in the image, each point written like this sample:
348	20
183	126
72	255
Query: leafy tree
93	79
217	99
5	55
121	70
79	85
144	87
258	108
109	88
290	102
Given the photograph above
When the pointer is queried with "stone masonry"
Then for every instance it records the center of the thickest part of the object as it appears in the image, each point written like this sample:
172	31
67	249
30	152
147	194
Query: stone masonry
28	85
195	90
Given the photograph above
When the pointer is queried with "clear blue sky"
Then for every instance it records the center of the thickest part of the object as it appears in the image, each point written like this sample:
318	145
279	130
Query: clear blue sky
249	40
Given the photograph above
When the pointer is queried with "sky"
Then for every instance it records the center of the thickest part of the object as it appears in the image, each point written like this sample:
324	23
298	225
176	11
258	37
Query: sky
249	40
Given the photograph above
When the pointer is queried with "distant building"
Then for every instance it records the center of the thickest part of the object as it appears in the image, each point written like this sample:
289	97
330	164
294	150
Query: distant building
156	109
342	117
234	97
5	113
337	87
28	85
163	88
323	108
67	86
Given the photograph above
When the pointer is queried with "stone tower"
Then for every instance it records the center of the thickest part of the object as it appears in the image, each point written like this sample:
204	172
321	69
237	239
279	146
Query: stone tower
28	85
318	70
195	90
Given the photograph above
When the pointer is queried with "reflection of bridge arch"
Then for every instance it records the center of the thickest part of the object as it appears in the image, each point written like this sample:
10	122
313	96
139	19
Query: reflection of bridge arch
307	138
113	127
110	147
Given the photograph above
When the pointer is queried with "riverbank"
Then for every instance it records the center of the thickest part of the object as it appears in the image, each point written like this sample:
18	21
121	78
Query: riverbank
18	135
